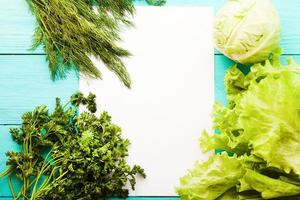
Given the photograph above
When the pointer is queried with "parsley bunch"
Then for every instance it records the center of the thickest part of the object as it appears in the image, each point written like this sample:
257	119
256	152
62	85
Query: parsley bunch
86	159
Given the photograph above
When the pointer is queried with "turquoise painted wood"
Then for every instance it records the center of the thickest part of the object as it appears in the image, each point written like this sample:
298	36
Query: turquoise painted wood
221	65
148	198
8	145
17	23
25	83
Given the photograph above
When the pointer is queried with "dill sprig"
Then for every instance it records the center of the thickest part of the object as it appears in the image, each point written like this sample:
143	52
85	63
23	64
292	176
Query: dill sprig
156	2
73	30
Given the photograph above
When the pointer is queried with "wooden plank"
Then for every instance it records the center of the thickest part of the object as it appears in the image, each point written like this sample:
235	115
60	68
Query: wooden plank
8	145
16	72
153	198
17	23
16	29
222	63
130	198
16	99
25	83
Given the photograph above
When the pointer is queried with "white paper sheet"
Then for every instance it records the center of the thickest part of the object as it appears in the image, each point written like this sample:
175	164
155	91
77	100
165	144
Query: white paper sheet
171	98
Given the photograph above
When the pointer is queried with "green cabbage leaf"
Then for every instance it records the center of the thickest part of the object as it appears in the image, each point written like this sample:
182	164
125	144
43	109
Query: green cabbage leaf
247	31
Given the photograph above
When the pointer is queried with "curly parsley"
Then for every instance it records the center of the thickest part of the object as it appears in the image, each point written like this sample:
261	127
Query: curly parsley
87	158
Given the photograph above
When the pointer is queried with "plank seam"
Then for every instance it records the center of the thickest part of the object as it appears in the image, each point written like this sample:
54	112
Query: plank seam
285	54
22	54
43	54
10	124
127	197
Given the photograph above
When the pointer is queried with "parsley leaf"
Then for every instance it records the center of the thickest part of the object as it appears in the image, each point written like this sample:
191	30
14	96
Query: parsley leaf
86	152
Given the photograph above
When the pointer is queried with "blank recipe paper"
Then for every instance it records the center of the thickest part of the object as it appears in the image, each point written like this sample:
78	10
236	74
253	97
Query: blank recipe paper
171	98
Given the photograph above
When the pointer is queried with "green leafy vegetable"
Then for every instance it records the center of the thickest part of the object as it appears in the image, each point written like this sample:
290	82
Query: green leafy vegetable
29	165
156	2
95	161
229	195
260	128
210	179
247	31
71	31
265	116
268	187
86	152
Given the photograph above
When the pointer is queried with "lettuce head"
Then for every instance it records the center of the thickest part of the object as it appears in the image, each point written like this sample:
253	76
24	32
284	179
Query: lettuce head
247	31
259	129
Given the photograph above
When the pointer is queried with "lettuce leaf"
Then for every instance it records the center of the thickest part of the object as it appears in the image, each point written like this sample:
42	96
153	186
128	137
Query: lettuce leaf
263	118
260	127
211	179
229	195
270	118
268	187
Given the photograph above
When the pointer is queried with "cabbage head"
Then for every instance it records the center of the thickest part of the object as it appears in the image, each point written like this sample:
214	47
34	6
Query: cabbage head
247	31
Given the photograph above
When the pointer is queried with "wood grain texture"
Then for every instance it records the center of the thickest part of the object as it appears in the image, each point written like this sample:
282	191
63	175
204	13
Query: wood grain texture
222	63
25	83
49	91
130	198
17	23
148	198
8	145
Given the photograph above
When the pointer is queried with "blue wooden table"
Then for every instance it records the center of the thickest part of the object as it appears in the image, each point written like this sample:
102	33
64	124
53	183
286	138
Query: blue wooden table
24	75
